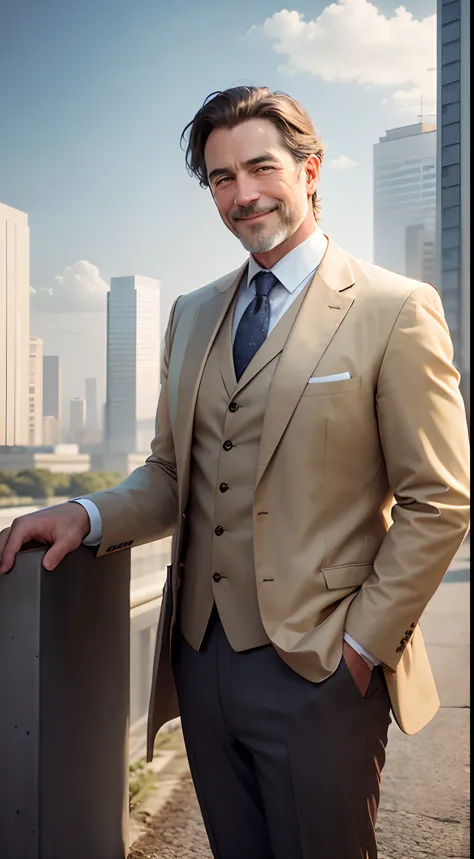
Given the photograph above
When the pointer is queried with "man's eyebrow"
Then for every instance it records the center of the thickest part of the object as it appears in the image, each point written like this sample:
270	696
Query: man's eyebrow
259	159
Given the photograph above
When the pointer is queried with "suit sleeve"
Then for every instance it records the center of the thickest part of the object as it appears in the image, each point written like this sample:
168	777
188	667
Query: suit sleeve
144	507
424	437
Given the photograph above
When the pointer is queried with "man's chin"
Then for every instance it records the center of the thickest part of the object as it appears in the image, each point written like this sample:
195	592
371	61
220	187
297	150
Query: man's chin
262	244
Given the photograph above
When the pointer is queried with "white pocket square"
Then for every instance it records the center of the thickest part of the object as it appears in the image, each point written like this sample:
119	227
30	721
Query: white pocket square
336	377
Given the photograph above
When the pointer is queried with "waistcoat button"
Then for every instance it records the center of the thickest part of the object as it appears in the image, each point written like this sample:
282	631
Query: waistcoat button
217	577
224	487
233	407
227	445
219	530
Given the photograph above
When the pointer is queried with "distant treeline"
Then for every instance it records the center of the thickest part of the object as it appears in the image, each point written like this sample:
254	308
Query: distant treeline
41	483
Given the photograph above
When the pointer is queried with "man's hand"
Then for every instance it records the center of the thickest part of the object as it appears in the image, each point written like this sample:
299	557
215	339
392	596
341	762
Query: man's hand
63	527
360	671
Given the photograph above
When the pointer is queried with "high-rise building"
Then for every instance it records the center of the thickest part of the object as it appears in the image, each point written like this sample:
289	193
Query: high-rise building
133	363
51	431
14	325
52	399
77	419
91	404
405	200
35	435
453	200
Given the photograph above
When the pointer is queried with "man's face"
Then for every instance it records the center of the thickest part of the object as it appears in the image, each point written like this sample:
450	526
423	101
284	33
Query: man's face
259	190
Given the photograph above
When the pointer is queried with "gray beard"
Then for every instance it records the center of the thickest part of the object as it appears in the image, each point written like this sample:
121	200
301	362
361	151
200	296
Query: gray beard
262	244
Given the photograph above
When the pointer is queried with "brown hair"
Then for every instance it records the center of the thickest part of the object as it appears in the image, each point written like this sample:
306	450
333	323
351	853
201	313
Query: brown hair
231	107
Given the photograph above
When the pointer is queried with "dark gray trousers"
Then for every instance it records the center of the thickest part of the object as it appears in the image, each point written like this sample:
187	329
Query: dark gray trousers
283	768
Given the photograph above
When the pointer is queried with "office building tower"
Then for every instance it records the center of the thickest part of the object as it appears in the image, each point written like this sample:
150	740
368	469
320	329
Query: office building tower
91	404
51	431
52	399
405	200
14	325
133	363
35	434
52	386
77	419
453	199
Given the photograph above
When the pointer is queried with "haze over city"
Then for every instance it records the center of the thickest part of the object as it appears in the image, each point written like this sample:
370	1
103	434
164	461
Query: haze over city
100	95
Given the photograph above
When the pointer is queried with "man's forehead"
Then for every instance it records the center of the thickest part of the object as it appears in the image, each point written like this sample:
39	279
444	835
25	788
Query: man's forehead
243	144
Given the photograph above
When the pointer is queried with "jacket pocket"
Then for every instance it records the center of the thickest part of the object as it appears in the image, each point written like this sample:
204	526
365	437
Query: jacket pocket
324	389
346	575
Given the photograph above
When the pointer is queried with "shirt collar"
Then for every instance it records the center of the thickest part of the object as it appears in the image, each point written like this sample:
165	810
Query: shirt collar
296	265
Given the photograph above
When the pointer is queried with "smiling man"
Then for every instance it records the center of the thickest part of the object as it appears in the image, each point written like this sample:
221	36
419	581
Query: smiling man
311	461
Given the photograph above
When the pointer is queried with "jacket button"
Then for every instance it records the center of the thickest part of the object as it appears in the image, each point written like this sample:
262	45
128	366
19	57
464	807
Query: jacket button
227	445
224	487
217	577
234	407
219	530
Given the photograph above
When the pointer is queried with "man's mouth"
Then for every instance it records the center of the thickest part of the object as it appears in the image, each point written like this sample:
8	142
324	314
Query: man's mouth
257	217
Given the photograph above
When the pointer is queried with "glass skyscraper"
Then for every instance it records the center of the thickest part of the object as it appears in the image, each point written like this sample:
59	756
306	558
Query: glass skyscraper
133	363
453	200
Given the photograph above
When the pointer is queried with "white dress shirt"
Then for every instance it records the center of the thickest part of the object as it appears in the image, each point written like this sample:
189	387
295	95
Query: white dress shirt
294	271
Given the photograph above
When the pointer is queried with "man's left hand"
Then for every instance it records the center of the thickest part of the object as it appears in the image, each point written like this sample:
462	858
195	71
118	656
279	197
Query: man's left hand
360	671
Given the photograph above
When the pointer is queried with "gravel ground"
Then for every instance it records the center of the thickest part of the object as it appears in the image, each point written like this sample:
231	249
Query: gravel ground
178	833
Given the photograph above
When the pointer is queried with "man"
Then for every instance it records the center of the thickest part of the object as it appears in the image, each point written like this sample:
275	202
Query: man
311	462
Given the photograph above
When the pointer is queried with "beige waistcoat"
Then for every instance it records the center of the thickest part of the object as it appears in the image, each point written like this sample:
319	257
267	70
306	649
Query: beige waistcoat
210	553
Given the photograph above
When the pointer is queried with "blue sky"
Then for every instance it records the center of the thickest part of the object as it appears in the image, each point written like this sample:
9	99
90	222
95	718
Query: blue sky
95	94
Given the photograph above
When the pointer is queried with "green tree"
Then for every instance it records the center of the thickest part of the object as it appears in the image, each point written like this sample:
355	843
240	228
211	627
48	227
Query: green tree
6	478
34	483
93	481
61	484
5	490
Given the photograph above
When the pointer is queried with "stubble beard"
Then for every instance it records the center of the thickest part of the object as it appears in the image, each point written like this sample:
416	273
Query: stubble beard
265	240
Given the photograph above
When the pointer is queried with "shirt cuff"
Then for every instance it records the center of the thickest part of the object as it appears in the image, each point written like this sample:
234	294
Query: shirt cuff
94	536
368	657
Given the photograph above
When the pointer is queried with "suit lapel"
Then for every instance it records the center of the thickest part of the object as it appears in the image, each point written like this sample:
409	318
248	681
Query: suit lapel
324	308
226	357
207	321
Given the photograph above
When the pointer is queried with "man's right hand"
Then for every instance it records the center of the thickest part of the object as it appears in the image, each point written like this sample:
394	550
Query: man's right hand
62	527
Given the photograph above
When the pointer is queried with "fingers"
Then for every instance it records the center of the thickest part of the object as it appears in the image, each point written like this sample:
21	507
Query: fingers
15	539
56	553
4	535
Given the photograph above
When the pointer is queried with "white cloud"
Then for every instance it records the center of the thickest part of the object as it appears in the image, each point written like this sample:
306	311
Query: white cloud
342	162
79	288
352	41
409	101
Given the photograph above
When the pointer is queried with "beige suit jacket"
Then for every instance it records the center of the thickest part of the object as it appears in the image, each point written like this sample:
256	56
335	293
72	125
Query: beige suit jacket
361	496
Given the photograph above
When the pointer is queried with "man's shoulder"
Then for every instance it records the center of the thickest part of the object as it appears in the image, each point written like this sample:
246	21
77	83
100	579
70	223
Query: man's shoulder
192	300
382	285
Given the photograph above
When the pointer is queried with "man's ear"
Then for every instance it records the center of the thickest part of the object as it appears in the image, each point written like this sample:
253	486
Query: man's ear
312	170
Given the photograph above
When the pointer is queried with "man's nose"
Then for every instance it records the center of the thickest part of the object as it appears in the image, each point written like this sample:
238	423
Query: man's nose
246	191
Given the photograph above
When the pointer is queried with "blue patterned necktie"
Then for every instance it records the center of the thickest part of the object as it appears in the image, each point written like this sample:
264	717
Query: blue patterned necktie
252	329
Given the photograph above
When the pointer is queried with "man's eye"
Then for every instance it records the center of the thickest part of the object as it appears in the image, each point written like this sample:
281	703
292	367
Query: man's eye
266	167
224	179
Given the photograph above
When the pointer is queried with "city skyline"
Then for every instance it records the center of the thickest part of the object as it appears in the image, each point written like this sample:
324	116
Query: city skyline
91	148
103	177
285	42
